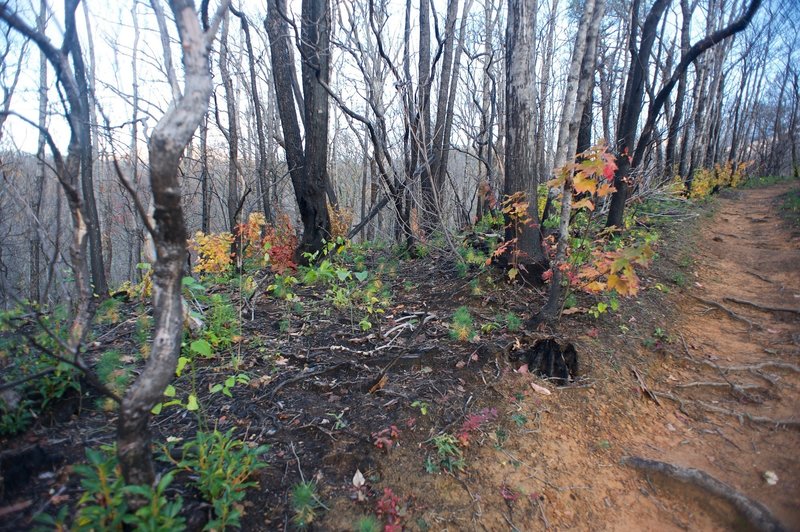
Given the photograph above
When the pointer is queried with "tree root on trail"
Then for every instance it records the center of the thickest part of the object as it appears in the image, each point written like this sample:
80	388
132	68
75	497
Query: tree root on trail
752	368
739	388
789	423
762	365
759	306
727	311
759	276
756	514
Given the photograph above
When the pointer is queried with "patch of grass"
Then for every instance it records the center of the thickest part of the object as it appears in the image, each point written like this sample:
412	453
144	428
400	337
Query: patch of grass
790	206
679	279
764	181
513	322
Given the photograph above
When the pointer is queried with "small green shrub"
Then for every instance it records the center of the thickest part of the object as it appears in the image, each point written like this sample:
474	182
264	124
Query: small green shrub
15	418
462	328
368	523
449	455
111	371
513	322
223	466
103	505
305	503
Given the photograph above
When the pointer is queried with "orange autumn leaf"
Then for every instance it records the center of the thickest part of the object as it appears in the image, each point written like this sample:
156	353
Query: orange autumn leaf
584	203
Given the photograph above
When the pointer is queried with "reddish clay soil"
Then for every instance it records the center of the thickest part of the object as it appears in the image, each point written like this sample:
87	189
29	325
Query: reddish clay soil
724	379
701	370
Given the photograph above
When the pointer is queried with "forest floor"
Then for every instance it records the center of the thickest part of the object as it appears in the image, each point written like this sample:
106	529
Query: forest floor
701	370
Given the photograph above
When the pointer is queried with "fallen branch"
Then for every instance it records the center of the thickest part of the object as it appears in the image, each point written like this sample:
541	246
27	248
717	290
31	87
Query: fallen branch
756	513
307	374
759	306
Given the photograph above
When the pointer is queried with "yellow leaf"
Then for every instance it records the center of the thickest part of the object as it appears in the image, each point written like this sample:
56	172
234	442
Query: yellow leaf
583	183
512	273
585	202
615	282
595	286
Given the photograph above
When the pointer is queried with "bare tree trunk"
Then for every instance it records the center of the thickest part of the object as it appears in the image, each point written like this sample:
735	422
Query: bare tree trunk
632	102
205	177
435	160
451	102
261	163
694	52
41	166
136	178
520	171
233	129
86	170
793	123
170	137
677	114
585	54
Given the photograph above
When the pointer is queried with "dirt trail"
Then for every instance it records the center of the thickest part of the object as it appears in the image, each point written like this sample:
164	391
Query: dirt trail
726	378
737	383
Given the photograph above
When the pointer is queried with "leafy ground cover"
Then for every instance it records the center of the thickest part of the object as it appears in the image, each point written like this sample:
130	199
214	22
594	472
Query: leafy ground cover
373	391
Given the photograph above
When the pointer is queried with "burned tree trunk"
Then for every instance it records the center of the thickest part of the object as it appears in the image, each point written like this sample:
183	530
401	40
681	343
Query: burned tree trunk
169	139
307	167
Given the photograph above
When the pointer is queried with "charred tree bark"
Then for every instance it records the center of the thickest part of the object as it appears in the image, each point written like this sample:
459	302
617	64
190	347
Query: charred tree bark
307	167
167	142
632	103
520	149
41	166
677	115
694	52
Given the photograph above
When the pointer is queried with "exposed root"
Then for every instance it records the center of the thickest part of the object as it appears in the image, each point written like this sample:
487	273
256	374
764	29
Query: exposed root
673	397
789	423
769	364
714	384
759	306
756	514
727	311
752	368
759	276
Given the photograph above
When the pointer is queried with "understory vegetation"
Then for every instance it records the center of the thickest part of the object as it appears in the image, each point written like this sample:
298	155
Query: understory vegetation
362	288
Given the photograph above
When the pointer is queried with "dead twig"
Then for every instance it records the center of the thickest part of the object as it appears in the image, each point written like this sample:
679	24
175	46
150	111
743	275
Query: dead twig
755	513
644	388
306	375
